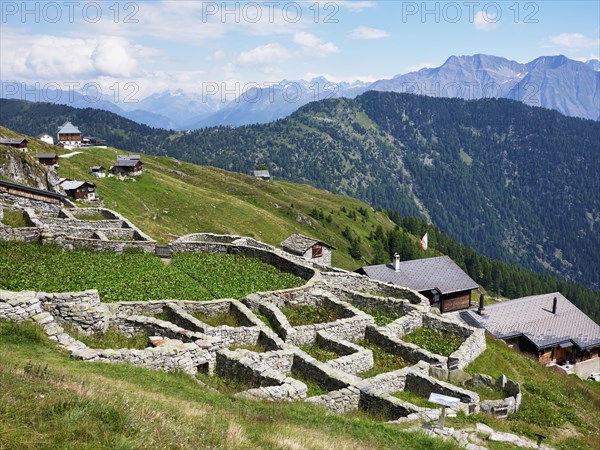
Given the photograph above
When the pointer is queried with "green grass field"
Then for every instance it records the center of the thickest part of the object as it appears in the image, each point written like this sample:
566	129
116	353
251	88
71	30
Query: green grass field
136	276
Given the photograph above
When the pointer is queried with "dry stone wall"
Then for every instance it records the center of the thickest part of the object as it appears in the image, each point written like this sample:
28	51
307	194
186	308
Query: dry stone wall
53	225
182	342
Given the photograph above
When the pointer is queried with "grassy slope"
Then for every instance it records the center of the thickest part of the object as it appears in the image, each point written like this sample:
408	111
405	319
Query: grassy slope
174	198
58	402
565	409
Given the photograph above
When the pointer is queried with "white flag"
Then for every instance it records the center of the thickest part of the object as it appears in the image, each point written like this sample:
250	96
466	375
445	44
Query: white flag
424	242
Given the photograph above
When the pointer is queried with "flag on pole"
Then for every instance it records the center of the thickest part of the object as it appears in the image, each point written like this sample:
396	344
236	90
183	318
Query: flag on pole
424	242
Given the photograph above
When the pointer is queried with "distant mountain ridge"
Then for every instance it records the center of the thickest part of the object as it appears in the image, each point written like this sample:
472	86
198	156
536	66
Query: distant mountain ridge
555	82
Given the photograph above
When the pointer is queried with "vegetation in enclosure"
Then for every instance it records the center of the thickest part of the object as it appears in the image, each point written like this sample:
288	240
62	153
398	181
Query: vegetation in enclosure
415	399
487	392
243	275
216	320
382	360
111	338
258	348
438	342
264	319
225	385
312	388
319	352
15	219
382	316
299	315
135	276
162	316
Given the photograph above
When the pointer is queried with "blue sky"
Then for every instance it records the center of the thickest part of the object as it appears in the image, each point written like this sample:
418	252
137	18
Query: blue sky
163	45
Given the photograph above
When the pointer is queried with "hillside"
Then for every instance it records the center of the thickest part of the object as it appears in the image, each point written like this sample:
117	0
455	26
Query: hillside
174	198
514	182
54	401
50	400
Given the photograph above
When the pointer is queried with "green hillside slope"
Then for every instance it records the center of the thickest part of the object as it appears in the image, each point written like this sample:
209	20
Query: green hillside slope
173	198
514	182
50	400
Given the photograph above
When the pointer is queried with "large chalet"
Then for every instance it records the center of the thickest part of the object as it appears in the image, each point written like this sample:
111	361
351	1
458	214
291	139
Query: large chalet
69	135
547	326
439	279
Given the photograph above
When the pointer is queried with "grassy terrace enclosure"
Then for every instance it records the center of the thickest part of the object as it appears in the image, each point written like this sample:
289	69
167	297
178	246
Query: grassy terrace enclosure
136	276
50	400
299	315
435	341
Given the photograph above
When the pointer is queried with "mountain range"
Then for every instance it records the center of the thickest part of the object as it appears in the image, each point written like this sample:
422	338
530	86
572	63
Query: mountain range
515	182
555	82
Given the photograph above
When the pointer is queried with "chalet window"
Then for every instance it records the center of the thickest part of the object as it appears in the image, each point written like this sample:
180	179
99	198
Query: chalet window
317	251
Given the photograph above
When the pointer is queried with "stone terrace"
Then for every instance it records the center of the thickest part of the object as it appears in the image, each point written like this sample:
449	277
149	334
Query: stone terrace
251	339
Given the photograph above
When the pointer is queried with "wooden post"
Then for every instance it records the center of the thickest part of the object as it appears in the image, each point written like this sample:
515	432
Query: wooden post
443	417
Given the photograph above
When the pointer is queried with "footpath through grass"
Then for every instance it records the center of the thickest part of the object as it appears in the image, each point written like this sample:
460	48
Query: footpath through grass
136	276
50	400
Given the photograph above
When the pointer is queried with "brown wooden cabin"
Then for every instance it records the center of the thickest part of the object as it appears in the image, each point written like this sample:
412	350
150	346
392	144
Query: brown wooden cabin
309	248
548	327
439	279
80	190
21	190
16	143
127	167
48	159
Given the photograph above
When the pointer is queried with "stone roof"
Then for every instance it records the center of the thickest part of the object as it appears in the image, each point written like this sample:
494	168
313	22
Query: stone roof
128	157
439	273
68	128
12	141
127	162
298	244
97	168
46	155
261	173
71	185
532	317
23	187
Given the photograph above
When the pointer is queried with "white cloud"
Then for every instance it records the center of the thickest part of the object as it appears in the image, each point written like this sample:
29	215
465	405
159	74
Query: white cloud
198	23
313	45
264	57
485	21
219	54
368	33
356	6
574	40
43	57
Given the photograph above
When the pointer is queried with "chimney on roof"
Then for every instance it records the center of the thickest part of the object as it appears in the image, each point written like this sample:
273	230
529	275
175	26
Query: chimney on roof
554	302
481	307
396	262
